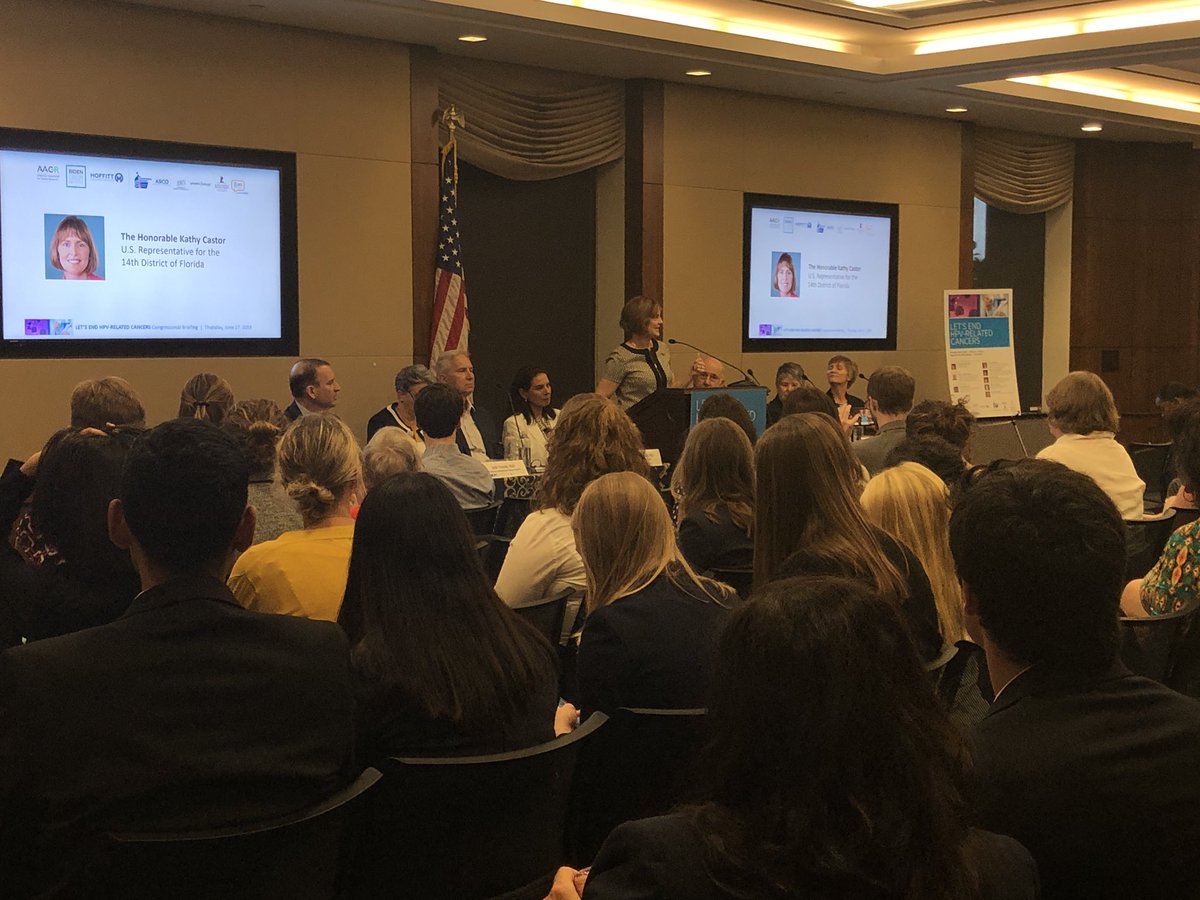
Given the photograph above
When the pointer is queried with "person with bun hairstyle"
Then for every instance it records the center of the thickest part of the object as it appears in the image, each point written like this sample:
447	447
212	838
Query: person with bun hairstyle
205	396
303	573
257	426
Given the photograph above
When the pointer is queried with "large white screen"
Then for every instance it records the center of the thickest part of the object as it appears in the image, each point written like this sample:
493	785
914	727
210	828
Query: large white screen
182	250
840	262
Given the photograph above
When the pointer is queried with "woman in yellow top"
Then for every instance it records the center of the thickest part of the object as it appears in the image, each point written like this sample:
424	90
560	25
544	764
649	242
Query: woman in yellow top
303	573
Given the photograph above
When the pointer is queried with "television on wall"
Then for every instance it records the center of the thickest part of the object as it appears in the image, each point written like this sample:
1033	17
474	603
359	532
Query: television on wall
818	274
126	247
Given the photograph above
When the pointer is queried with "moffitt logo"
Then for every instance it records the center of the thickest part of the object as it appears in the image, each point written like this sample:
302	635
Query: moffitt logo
108	176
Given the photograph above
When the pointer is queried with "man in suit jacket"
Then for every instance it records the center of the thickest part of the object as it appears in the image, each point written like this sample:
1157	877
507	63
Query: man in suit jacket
478	433
187	711
1095	770
314	388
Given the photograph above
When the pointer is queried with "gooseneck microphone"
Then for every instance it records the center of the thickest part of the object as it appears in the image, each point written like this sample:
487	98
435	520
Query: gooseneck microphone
523	442
717	358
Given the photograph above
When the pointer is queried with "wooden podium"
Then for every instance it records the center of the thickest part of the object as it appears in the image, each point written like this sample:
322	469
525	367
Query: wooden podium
663	419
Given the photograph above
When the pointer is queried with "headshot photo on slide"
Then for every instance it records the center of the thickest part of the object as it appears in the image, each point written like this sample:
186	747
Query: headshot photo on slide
783	277
74	247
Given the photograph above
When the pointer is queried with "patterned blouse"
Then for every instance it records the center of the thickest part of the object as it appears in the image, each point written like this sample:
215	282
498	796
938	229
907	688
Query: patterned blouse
1175	579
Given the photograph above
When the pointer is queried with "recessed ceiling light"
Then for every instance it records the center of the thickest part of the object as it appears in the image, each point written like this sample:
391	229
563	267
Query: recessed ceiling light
1091	126
956	109
697	73
472	38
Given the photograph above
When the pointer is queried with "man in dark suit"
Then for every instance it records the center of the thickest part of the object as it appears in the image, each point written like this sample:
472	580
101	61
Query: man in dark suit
314	388
186	712
478	433
1095	770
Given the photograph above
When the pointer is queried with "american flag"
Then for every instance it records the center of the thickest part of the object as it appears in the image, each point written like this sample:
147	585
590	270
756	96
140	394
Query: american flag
450	324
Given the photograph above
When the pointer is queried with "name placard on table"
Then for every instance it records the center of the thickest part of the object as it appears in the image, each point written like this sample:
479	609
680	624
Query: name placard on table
506	468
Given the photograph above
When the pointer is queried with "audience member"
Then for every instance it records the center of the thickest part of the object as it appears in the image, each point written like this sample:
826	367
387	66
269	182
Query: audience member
1083	419
832	772
88	581
952	422
439	412
889	398
1173	392
389	453
205	396
478	435
1174	581
652	622
111	400
529	428
788	377
807	499
713	375
729	407
1095	770
303	573
410	381
444	667
257	426
642	364
934	453
809	399
593	437
314	388
841	372
713	485
187	712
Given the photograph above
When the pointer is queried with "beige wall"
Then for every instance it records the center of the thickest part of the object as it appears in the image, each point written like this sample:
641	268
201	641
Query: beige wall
720	143
341	104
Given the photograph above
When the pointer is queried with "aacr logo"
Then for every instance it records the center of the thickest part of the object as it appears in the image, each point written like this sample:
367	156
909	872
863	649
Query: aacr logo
47	170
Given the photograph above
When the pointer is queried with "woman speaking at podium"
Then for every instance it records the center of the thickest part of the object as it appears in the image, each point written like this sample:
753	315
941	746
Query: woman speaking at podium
641	365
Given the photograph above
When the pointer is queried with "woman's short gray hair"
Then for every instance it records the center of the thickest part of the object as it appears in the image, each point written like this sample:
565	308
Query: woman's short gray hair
388	453
410	376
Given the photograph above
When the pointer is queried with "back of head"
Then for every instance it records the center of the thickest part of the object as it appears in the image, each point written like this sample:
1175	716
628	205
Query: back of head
319	464
78	476
1183	425
934	453
111	400
1172	392
911	503
715	470
1081	403
388	453
439	410
1042	549
592	438
857	785
808	399
257	426
421	614
893	389
183	490
724	405
952	422
304	375
206	396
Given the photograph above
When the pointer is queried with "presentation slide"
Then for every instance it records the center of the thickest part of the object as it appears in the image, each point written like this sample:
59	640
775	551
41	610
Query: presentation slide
100	247
818	275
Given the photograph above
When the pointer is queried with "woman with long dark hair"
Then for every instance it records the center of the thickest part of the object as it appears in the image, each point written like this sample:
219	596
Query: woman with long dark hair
445	668
713	486
527	432
832	772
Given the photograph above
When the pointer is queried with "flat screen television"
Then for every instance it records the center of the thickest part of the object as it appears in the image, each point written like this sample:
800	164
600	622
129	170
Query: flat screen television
125	247
818	274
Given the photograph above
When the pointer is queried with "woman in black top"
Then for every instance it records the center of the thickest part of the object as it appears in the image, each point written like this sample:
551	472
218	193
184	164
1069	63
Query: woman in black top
713	484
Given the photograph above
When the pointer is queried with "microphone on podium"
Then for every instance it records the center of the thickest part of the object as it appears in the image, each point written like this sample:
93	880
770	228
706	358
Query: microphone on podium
745	377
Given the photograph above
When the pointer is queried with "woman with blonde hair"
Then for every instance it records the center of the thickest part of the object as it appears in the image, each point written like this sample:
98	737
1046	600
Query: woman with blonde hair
912	504
807	508
713	485
206	396
303	573
652	621
1084	420
592	438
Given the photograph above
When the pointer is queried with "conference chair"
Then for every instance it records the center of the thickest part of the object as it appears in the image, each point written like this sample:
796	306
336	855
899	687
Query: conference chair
640	765
1034	432
996	439
483	520
302	856
1152	464
547	615
471	827
1145	540
1153	646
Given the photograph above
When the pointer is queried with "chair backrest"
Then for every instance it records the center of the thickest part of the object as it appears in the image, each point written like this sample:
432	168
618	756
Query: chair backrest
641	765
1151	646
483	520
469	827
991	441
1034	432
547	615
1145	540
1151	462
740	578
303	856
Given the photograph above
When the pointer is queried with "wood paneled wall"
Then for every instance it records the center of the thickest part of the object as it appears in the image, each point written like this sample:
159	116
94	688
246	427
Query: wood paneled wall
1135	272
